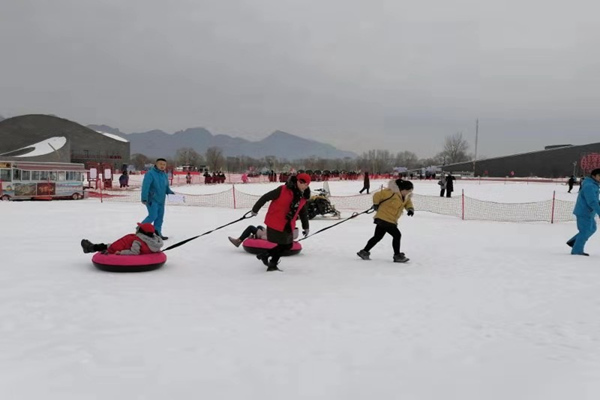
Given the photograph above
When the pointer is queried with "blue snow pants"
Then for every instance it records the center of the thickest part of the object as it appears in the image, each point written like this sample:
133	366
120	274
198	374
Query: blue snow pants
586	227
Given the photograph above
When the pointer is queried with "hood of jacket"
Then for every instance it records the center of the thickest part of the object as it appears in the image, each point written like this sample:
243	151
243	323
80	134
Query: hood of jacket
154	242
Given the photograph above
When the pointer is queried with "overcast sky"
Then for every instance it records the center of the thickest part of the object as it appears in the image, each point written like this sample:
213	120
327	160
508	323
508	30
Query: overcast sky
397	75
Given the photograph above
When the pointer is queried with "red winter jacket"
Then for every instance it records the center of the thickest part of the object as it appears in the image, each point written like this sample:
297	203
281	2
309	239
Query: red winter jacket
126	242
281	200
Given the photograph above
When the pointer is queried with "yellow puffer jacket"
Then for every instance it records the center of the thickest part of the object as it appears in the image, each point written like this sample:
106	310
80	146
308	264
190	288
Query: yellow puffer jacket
391	209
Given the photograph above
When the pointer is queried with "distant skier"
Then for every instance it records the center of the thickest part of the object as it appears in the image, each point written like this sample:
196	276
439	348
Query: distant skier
390	203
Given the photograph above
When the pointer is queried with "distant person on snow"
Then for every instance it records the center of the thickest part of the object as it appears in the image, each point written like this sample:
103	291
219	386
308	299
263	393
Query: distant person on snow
287	204
585	211
366	183
143	241
571	182
442	183
450	184
389	204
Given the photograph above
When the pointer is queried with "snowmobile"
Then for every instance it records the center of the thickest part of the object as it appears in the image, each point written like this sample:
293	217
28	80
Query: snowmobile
319	204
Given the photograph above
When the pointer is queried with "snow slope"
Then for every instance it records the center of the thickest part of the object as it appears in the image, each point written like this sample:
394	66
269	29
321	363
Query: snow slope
483	310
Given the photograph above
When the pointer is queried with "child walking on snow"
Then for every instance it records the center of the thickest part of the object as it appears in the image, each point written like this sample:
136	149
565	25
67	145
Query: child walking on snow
389	204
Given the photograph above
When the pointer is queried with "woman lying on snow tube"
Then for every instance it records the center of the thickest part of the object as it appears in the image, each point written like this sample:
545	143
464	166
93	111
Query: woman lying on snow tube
136	252
255	241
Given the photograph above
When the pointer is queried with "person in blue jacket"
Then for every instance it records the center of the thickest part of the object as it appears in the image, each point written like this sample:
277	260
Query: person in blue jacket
155	189
585	211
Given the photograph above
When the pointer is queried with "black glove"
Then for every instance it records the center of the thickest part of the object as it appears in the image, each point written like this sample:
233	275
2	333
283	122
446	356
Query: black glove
305	232
410	212
375	207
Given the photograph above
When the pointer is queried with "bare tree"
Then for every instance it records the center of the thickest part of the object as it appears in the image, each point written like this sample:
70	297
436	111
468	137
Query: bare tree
139	161
188	156
214	158
406	159
376	161
455	149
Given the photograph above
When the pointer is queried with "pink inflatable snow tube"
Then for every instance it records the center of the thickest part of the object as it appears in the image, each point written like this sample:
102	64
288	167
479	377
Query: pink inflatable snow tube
257	246
140	263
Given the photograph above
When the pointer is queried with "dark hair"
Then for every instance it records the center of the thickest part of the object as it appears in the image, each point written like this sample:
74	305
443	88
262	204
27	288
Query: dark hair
161	159
404	185
595	172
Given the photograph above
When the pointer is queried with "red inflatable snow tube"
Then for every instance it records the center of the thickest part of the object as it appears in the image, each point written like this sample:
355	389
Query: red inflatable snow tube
140	263
257	246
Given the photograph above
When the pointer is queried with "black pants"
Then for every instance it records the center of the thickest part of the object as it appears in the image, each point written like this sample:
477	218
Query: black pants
365	188
448	193
382	228
570	188
277	251
284	240
100	247
442	191
250	230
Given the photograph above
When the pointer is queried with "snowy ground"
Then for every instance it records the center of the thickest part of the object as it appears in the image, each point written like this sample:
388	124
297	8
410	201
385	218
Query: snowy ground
484	310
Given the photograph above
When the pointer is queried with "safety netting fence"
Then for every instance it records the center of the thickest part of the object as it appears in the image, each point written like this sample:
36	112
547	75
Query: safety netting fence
461	206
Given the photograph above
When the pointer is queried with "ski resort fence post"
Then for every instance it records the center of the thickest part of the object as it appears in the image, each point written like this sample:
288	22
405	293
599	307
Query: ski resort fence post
233	191
553	201
463	204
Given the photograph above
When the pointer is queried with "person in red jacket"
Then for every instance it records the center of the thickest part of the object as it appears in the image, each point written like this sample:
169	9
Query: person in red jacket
287	204
143	241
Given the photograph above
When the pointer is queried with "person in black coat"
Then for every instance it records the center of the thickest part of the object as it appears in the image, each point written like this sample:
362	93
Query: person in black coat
450	184
571	182
366	183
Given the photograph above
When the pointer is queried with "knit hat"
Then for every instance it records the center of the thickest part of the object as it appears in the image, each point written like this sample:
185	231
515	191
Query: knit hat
147	227
304	177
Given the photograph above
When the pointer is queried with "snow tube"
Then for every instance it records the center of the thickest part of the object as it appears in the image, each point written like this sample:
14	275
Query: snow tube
140	263
257	246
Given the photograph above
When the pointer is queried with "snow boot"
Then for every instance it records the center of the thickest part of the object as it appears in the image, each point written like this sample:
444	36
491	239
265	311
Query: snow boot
364	254
400	258
87	246
272	266
571	242
235	242
264	257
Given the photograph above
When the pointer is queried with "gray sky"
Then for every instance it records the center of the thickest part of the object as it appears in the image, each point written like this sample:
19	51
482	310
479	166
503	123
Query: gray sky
397	75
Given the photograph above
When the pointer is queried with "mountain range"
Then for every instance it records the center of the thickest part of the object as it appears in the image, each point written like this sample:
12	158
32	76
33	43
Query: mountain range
157	143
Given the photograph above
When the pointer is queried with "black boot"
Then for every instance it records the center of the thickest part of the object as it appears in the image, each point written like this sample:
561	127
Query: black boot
87	246
272	266
364	254
400	258
264	257
571	243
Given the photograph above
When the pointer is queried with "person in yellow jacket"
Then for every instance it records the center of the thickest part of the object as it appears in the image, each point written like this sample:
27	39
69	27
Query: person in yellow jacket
389	204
